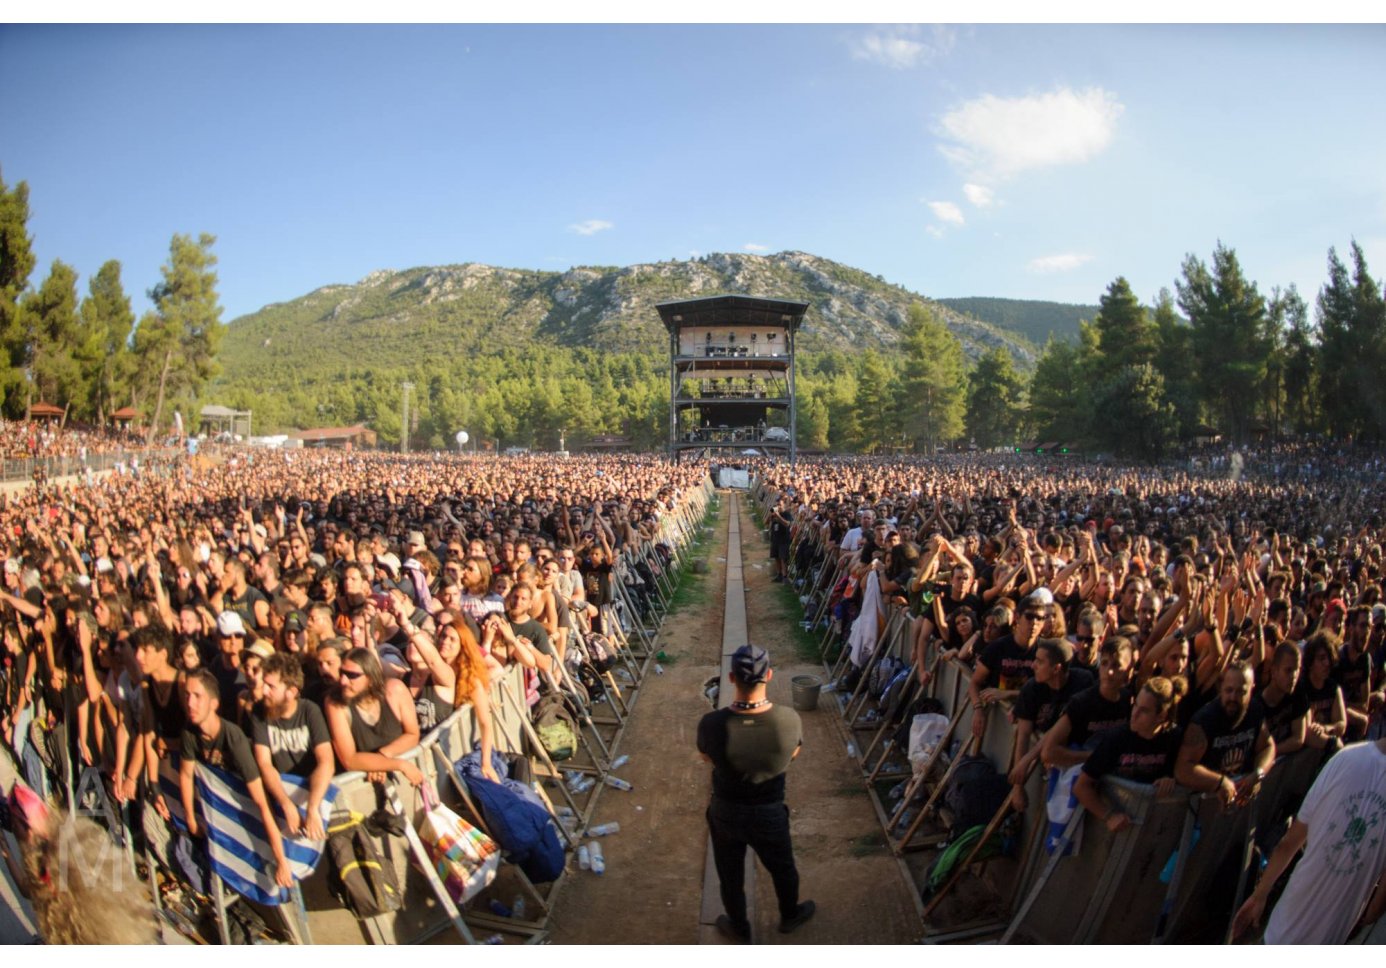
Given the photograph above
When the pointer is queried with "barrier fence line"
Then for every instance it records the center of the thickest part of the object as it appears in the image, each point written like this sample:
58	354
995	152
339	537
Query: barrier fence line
1043	897
643	583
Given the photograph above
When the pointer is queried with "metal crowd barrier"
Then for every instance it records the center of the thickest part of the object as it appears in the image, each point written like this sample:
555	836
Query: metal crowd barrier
1151	882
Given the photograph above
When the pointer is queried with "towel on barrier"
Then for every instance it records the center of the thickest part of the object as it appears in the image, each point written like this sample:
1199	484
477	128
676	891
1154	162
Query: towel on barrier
866	629
1060	804
236	845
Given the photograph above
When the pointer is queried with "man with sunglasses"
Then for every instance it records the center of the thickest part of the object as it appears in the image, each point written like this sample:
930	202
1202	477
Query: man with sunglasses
1006	663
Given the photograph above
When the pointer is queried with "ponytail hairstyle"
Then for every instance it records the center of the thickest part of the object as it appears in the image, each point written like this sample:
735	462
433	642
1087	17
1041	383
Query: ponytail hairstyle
1167	692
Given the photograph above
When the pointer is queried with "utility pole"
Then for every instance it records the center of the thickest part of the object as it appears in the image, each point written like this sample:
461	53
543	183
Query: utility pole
404	423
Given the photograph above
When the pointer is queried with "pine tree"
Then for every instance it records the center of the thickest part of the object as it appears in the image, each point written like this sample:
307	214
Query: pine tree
49	317
176	344
1174	360
16	264
878	403
108	321
1126	334
1060	398
934	381
1227	316
995	400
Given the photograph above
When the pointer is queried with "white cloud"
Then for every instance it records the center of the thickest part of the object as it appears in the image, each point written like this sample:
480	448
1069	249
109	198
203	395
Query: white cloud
934	230
947	212
903	47
1060	262
755	247
591	227
1001	137
979	195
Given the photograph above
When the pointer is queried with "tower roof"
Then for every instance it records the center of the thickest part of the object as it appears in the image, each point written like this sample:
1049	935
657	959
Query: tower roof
731	310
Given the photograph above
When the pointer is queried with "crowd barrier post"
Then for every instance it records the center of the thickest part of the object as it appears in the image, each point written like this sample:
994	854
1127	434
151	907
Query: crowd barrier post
884	645
425	863
926	811
1060	849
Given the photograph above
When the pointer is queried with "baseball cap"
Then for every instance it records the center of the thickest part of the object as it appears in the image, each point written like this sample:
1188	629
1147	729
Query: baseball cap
415	538
750	664
1040	596
229	623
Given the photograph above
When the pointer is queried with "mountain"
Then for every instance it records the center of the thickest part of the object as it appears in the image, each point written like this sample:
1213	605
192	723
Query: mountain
389	317
1031	318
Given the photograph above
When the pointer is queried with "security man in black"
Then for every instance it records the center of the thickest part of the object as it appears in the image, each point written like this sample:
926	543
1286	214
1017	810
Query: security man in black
750	744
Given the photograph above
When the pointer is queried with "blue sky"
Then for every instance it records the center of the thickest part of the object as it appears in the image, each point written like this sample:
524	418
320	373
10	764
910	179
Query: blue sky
1025	162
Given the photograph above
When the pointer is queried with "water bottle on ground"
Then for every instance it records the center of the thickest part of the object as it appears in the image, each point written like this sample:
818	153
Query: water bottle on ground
852	748
584	857
598	861
494	939
620	761
616	783
517	906
499	909
659	669
603	829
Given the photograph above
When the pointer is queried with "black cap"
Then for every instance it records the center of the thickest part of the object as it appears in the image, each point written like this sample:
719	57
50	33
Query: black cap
750	664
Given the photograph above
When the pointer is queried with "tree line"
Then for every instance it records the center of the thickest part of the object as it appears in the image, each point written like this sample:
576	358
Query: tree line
1215	356
90	355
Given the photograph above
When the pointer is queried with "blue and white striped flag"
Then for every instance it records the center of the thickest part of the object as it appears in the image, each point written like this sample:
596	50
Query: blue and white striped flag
1061	803
236	845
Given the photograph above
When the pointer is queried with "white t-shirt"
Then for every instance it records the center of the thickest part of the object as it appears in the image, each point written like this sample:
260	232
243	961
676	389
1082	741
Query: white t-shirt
1344	854
852	540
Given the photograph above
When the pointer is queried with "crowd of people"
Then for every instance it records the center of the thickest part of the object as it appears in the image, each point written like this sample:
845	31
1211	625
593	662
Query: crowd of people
23	440
299	613
1180	625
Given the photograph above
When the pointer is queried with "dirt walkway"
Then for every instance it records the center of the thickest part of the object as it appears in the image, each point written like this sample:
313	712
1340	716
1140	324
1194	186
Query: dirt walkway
652	889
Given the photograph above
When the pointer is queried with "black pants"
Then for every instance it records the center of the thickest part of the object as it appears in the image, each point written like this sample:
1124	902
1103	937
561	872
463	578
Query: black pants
764	829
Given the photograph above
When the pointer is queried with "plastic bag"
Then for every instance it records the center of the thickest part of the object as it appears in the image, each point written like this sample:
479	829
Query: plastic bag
465	858
926	731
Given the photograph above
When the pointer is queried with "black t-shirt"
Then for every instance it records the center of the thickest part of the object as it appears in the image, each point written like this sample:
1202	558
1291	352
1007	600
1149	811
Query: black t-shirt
245	605
291	741
1008	664
974	602
1042	705
1355	676
1281	717
1229	744
230	681
1320	701
536	633
1091	714
750	752
1123	753
230	750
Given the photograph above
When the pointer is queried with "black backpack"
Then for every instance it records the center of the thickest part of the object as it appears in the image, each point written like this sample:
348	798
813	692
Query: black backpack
975	792
360	879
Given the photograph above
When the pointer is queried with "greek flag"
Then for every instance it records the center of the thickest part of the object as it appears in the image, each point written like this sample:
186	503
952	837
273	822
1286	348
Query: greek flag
1061	804
236	845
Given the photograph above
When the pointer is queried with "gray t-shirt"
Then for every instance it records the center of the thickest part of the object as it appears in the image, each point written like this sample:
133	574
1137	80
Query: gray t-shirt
750	752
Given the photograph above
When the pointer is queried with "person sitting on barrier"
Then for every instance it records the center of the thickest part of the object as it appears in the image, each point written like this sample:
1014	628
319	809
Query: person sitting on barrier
1327	719
1005	663
213	741
372	719
1142	751
1227	737
1286	709
1095	710
291	738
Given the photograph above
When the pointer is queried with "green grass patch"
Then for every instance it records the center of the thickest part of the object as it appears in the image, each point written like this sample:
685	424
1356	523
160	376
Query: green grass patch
692	588
806	643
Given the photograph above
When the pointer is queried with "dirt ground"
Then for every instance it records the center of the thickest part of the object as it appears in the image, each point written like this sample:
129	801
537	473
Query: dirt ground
651	892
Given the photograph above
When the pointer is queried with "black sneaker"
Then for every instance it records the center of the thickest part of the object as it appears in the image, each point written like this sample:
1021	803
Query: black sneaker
725	925
801	914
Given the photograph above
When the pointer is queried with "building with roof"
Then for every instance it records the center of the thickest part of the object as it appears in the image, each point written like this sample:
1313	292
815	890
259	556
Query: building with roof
355	437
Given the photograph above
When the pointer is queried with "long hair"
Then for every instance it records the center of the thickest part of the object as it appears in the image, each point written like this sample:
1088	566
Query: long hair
483	567
468	664
375	676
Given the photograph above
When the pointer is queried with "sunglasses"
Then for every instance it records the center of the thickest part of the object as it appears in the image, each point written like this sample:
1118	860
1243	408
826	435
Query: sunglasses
351	676
1035	616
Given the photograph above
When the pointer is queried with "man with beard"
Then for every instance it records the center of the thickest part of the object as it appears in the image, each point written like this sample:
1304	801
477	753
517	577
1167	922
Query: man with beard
213	741
1227	737
292	738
